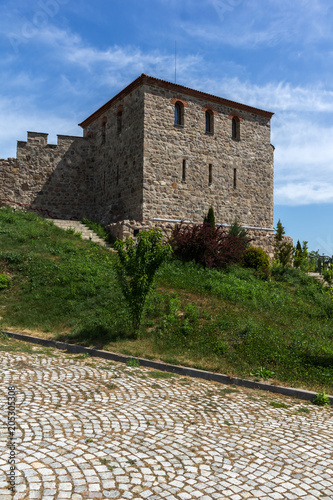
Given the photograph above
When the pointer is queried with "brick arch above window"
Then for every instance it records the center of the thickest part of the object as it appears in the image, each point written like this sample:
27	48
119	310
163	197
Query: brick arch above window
235	126
182	101
103	121
210	109
236	116
120	110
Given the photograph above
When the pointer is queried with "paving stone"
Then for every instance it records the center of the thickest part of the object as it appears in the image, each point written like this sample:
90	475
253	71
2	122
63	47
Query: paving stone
167	442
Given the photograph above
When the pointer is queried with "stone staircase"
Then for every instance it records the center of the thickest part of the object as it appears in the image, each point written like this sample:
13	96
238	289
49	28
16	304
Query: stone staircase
79	227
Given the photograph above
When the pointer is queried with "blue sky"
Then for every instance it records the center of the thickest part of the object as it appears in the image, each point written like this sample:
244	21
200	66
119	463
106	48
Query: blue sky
62	59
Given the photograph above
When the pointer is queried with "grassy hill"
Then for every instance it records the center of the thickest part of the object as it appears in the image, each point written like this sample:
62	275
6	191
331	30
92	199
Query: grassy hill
228	321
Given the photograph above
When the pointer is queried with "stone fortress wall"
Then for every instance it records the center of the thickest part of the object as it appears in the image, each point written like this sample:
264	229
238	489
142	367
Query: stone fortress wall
53	178
135	168
234	175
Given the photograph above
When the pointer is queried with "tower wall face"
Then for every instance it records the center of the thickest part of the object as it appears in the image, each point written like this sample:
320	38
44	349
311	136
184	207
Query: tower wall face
117	159
187	170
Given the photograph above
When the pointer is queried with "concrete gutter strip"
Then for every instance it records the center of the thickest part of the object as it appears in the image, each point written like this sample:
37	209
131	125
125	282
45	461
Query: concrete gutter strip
179	370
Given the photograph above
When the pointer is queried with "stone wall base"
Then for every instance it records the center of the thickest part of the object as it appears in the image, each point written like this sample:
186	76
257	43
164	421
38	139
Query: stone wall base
261	238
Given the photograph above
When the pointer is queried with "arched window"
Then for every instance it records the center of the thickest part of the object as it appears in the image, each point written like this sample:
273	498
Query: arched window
179	113
235	128
209	121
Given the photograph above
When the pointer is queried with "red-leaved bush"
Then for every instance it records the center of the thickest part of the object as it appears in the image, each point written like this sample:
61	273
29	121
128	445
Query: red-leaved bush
211	247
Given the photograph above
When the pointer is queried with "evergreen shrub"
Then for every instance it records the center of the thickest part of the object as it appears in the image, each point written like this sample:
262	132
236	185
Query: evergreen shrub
256	258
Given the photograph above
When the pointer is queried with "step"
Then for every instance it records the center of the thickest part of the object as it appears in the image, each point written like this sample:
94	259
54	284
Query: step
79	227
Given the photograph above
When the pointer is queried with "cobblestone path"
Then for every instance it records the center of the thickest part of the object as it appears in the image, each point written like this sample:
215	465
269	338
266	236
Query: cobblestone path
89	428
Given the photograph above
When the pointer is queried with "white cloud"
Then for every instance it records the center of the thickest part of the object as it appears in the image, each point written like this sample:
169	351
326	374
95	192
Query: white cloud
18	115
276	97
304	193
251	24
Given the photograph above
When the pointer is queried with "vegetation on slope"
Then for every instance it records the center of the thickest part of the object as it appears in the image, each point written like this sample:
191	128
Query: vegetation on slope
59	286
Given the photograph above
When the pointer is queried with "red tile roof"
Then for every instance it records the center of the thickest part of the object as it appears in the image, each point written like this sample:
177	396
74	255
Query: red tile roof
145	79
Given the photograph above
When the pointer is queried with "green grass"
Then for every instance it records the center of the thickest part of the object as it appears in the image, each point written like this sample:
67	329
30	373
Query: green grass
228	321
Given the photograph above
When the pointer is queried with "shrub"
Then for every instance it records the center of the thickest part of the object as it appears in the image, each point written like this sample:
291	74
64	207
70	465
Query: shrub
138	263
206	245
256	258
4	281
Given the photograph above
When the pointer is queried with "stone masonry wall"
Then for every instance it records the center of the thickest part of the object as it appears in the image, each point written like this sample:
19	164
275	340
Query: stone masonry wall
117	136
53	178
8	171
248	162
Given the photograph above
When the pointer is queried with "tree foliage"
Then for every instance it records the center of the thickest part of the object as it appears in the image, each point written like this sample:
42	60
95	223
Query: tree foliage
283	251
301	256
237	230
138	262
206	245
210	217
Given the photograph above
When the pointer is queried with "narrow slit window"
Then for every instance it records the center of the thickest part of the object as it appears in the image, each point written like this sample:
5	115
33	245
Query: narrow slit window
117	177
103	132
184	171
235	178
119	121
210	174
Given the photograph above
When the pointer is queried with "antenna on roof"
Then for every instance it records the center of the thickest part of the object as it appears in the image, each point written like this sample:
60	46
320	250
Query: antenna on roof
175	61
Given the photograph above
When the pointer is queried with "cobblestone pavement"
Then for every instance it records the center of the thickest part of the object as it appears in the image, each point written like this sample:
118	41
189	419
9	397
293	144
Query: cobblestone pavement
87	428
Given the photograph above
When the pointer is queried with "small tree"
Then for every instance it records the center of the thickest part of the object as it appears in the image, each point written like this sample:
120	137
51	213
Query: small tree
237	230
210	217
298	254
283	250
138	263
301	256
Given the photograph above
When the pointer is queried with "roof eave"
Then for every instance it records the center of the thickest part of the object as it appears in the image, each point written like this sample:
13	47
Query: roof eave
142	79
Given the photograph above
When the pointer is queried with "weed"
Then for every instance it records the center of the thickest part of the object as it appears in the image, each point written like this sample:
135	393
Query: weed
133	362
162	375
228	390
321	399
303	410
89	440
278	404
262	373
111	386
83	356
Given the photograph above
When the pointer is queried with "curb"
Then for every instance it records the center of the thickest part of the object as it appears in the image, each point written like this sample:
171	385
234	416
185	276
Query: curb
179	370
